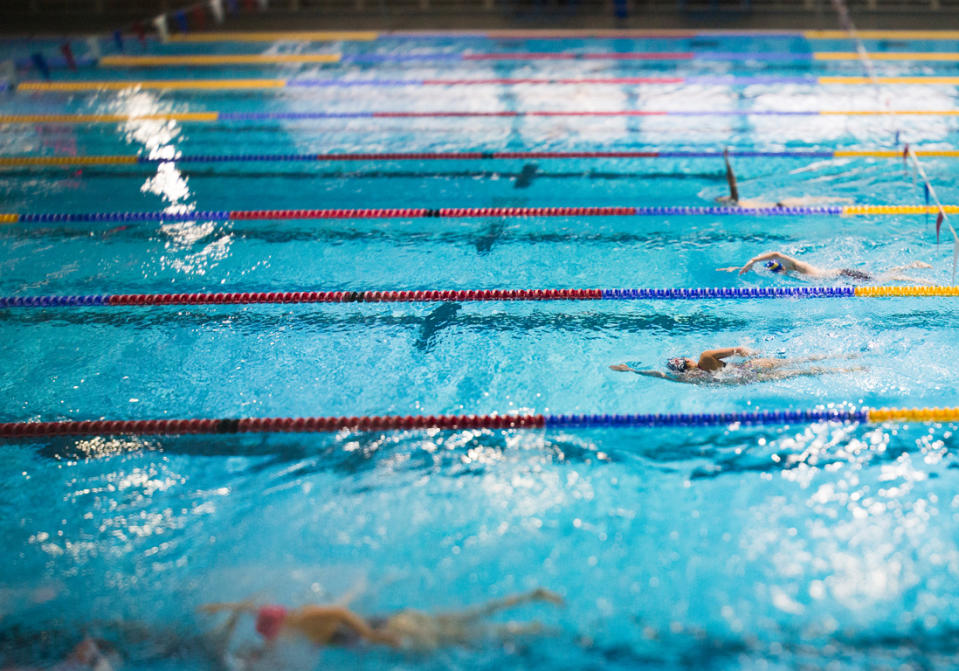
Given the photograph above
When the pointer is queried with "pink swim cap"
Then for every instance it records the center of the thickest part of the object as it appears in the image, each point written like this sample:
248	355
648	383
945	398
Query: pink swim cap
269	621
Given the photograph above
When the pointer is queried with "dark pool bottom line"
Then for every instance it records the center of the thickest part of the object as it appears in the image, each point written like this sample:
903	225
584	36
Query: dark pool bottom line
26	161
464	422
465	295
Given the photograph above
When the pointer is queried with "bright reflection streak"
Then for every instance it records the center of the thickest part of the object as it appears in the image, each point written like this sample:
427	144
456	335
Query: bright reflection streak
158	138
852	549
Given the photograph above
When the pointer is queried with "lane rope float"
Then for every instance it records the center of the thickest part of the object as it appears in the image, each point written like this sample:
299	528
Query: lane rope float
208	117
549	34
269	83
473	295
366	423
27	161
462	212
192	60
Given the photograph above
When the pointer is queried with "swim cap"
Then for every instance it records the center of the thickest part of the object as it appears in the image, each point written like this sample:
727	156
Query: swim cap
269	621
775	266
677	364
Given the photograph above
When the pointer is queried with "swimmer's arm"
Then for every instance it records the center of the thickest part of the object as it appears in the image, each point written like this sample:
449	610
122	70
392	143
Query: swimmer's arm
648	373
727	352
730	178
788	263
659	374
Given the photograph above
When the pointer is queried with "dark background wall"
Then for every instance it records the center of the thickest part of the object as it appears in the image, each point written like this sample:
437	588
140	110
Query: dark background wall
61	16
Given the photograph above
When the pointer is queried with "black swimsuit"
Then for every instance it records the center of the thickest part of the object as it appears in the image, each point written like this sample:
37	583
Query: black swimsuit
855	274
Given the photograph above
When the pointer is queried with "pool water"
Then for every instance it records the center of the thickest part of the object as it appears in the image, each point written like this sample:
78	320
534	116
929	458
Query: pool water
715	548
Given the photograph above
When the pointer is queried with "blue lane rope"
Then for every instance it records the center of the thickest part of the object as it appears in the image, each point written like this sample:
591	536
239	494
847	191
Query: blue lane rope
778	417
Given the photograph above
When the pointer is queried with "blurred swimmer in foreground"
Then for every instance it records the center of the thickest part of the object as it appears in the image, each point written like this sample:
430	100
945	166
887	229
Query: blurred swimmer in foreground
780	263
733	199
90	654
336	625
711	368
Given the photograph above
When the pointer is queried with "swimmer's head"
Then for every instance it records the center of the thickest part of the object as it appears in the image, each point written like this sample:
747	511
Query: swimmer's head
269	621
678	364
775	266
94	653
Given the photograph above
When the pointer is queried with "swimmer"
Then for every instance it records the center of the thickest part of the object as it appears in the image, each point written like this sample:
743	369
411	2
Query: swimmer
780	263
336	625
733	199
90	654
711	368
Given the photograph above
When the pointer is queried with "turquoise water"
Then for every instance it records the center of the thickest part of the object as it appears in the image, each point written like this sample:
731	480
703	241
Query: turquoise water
710	548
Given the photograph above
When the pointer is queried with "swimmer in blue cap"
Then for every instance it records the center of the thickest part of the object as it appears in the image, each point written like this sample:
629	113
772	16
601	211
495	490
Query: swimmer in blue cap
711	367
782	264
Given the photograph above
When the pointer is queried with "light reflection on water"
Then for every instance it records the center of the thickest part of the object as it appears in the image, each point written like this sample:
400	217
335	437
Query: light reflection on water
193	247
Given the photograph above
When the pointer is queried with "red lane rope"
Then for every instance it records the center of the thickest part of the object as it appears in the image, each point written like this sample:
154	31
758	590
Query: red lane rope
408	212
355	296
416	212
269	424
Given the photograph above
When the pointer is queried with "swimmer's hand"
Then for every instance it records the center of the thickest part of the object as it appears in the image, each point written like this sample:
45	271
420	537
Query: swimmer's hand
746	352
728	269
621	367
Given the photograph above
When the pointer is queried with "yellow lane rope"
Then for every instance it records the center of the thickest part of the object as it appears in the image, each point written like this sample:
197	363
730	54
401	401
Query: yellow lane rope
914	415
275	36
217	59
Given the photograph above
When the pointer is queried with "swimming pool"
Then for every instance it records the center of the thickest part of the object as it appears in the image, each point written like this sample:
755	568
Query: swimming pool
711	547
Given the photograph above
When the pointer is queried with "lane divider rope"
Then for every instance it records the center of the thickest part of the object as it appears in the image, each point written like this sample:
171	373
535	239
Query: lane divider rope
277	36
562	34
149	427
269	83
471	295
191	60
446	212
207	117
22	161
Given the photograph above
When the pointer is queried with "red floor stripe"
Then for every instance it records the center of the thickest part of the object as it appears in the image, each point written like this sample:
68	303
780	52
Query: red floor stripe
633	56
573	80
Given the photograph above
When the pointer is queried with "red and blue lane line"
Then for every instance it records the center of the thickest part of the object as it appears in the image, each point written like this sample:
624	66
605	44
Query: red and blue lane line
420	422
426	296
479	155
514	35
720	56
706	56
718	80
418	213
295	116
